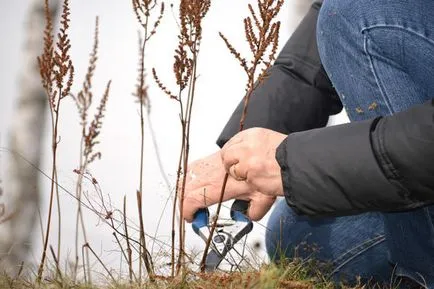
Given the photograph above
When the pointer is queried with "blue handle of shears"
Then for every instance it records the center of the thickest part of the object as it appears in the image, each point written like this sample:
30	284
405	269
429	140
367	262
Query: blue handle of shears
238	214
200	220
239	217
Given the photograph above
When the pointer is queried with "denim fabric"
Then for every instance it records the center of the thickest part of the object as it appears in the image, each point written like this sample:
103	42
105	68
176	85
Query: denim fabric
350	247
379	55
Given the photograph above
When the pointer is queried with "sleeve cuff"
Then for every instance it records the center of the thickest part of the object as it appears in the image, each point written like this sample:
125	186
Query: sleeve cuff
333	171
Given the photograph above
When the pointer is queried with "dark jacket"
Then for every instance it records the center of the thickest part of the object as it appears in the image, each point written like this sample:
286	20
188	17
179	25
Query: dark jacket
383	164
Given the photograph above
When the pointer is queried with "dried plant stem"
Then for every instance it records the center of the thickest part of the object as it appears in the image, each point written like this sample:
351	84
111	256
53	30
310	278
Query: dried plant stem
59	217
79	222
54	124
143	10
142	145
89	139
102	263
191	14
223	188
208	242
129	256
178	176
56	262
57	73
186	134
84	265
144	254
266	37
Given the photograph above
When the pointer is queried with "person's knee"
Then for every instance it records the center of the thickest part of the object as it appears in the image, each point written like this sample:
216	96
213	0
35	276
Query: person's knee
334	31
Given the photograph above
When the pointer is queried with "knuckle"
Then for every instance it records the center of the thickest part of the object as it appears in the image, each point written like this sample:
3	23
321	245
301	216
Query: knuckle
255	165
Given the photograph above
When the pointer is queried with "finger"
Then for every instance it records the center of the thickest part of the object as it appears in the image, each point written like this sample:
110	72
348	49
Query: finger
233	172
259	206
209	195
202	198
193	202
234	155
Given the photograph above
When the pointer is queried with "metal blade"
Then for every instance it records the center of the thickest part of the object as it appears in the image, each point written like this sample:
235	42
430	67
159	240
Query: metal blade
213	260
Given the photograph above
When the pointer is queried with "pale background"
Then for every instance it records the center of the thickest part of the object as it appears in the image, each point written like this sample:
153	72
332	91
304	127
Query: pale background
220	87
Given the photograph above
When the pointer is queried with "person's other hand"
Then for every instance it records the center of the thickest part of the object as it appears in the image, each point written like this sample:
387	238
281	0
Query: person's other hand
250	156
203	188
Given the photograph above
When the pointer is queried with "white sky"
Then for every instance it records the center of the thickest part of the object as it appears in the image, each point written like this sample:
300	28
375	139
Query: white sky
220	87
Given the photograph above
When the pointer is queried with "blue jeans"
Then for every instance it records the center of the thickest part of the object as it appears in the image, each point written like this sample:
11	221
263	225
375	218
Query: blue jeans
379	55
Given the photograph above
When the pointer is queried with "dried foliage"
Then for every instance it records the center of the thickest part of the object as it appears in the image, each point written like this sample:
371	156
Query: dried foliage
262	41
83	101
84	97
143	10
141	92
191	15
89	134
55	64
262	35
57	74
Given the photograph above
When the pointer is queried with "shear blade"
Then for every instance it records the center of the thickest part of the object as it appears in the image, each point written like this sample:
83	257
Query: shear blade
213	260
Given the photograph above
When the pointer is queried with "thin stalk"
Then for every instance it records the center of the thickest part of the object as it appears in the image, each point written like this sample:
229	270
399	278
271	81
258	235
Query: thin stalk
127	238
54	124
78	196
125	257
192	88
225	180
56	262
178	175
102	263
144	254
59	216
84	265
79	216
208	241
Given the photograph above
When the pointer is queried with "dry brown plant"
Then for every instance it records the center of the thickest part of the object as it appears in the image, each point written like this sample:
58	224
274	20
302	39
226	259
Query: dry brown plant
89	139
57	71
143	10
191	15
262	35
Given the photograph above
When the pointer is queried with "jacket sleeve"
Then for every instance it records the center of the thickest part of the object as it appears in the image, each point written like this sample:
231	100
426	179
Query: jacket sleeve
297	95
385	164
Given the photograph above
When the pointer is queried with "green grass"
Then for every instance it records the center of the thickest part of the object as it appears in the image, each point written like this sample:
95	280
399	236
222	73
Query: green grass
295	274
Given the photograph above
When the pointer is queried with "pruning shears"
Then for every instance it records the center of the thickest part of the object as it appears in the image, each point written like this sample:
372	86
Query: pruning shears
225	235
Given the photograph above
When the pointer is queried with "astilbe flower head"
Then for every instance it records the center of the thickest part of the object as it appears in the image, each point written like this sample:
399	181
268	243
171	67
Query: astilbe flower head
55	64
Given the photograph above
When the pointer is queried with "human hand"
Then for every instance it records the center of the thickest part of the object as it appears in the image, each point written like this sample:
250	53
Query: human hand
203	188
250	156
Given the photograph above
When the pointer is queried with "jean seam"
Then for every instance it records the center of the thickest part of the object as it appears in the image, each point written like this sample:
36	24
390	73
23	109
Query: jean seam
356	251
364	31
391	168
397	27
375	74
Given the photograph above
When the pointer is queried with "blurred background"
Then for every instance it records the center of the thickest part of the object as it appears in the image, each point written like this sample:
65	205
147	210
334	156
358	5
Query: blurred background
220	87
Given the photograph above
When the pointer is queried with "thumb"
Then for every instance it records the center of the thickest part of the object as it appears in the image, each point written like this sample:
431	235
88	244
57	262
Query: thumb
260	204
